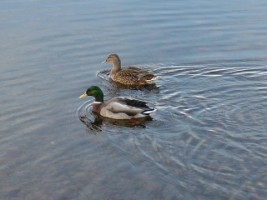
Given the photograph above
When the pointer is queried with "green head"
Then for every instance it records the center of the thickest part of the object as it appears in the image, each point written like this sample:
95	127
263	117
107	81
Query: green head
95	92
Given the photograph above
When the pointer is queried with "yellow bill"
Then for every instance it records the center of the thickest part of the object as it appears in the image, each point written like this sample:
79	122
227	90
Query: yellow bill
83	95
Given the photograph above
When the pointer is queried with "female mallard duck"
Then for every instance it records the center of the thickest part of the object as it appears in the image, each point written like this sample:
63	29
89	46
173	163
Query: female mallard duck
130	76
118	107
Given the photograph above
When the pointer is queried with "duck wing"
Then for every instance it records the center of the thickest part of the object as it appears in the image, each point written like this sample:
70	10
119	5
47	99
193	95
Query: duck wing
137	74
146	76
130	107
137	69
141	74
135	103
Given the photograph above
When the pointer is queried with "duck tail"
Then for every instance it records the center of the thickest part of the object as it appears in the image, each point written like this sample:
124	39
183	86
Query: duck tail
149	111
152	80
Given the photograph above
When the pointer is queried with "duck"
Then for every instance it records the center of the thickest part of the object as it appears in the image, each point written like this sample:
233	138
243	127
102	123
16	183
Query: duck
117	107
129	76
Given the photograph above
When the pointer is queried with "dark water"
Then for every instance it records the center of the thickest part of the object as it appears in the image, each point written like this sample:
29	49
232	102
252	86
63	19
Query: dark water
208	139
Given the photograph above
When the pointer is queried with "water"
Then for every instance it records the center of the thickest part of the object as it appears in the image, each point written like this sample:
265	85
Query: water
208	138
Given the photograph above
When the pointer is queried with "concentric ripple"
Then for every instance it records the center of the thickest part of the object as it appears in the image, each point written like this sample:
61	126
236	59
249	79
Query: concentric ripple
211	123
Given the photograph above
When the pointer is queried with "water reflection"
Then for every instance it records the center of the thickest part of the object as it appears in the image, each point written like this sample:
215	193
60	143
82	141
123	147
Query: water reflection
92	125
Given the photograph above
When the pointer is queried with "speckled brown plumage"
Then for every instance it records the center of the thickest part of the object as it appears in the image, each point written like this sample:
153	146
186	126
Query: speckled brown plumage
130	76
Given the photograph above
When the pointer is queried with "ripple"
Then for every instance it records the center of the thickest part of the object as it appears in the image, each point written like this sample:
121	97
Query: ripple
211	120
104	74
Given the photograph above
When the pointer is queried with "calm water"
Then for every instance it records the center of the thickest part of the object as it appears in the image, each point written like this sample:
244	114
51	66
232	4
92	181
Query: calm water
208	139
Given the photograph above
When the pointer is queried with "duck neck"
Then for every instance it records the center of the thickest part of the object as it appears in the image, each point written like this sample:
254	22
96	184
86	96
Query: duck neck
96	107
99	96
99	99
116	67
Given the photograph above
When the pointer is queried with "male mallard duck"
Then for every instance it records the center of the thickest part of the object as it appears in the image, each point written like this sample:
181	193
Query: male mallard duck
118	107
130	76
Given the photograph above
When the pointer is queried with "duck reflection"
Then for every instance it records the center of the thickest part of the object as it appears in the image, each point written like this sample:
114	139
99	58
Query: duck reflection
137	87
93	125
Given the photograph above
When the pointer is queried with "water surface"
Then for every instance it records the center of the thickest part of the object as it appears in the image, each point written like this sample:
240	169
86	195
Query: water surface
208	138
